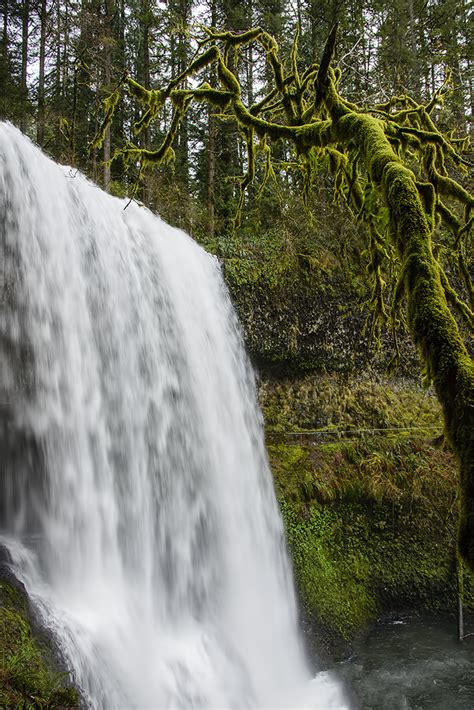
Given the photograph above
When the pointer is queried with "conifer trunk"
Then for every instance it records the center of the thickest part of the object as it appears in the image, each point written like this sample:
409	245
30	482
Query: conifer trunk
41	77
25	26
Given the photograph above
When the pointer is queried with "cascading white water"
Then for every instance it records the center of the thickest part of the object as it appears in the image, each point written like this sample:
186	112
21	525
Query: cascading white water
139	508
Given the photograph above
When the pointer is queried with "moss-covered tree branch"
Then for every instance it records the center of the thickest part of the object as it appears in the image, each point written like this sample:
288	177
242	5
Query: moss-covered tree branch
390	157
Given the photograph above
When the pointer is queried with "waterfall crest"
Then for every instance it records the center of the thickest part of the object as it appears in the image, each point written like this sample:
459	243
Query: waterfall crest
137	501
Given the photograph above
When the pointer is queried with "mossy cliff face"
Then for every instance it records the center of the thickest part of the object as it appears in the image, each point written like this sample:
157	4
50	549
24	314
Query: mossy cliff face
370	519
307	320
338	401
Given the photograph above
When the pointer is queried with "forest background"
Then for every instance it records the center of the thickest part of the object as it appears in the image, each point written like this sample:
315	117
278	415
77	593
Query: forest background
60	58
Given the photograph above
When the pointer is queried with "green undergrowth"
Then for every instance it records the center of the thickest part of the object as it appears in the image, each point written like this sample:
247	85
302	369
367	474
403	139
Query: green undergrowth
371	528
27	677
340	402
370	518
398	470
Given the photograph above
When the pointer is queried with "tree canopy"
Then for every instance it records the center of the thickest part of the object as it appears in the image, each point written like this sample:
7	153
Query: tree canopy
392	164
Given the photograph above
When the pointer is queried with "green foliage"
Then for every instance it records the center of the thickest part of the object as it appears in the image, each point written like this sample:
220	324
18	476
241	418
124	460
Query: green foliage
374	469
26	675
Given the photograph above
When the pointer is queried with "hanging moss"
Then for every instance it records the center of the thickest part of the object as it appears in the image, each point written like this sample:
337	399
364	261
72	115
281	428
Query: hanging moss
110	104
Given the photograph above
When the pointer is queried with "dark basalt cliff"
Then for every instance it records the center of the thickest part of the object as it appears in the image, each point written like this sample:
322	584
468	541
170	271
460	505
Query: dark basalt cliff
309	323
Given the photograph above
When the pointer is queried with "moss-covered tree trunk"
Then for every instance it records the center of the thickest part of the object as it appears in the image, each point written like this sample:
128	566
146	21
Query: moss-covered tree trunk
430	320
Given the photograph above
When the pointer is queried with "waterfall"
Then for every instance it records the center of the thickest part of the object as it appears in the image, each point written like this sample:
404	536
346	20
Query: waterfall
136	499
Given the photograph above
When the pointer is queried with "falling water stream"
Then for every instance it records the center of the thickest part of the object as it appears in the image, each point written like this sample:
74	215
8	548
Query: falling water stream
136	500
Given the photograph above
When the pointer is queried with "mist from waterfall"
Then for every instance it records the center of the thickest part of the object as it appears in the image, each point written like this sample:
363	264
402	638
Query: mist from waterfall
137	502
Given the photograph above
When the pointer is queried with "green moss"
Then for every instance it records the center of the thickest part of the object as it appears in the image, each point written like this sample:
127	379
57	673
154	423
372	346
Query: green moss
333	589
371	519
431	323
27	678
341	402
371	528
109	104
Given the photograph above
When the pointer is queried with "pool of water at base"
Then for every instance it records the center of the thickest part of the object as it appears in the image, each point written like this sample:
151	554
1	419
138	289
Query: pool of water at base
412	664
